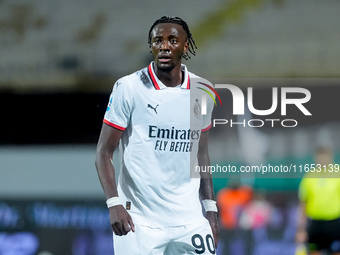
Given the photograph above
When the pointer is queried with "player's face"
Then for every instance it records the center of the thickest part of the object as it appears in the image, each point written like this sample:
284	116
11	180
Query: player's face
324	158
168	43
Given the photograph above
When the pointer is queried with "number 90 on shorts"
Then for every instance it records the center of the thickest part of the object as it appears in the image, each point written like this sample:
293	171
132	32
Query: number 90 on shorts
202	245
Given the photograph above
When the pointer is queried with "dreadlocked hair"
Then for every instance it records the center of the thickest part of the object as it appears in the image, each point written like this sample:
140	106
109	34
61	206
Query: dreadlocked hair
179	21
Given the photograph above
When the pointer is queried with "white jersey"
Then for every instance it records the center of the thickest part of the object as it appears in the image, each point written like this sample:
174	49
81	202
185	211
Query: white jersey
158	140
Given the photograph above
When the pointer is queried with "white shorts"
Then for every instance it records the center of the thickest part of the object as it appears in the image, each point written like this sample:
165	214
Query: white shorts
187	239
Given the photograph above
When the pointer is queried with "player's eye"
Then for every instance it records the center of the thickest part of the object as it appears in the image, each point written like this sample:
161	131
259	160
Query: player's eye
173	41
157	41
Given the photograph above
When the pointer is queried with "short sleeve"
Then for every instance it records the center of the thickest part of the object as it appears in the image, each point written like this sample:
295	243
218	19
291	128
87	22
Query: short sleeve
119	108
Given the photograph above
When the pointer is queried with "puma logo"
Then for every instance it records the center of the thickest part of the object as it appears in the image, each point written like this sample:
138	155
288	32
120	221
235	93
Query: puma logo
153	108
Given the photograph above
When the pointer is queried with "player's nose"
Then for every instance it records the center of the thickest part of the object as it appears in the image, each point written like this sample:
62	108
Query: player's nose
165	45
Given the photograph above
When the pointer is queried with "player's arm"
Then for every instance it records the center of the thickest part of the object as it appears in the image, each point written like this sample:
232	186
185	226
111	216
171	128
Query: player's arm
206	185
120	219
301	231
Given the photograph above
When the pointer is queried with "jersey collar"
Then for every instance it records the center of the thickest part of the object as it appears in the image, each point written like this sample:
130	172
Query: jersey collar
159	85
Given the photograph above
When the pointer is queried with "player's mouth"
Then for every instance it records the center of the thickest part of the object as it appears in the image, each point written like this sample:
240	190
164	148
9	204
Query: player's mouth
164	59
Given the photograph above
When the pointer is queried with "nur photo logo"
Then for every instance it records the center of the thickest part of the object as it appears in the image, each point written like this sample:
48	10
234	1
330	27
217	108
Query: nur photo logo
281	97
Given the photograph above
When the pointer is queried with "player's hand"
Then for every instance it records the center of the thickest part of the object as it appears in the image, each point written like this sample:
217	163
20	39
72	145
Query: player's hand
212	218
121	221
301	236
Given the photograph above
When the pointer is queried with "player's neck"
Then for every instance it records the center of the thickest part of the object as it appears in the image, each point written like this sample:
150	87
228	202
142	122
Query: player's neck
171	78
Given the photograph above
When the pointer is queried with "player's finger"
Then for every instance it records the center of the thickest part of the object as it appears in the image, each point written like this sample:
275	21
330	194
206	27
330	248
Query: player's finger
121	227
116	230
131	224
216	239
126	227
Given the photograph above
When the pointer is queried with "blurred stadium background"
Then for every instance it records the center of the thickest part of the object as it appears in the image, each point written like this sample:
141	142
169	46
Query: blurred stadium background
58	62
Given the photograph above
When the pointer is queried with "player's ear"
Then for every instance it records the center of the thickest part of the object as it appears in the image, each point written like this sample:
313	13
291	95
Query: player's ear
186	46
